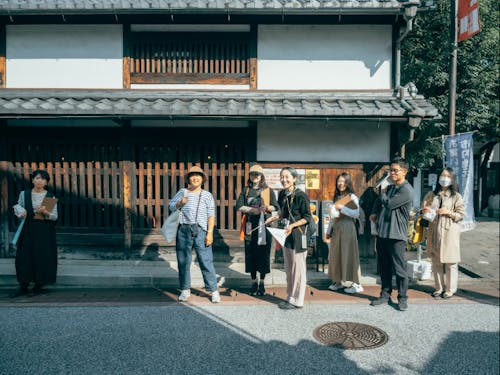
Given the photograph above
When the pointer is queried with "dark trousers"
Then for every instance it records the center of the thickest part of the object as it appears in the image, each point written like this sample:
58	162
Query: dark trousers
391	257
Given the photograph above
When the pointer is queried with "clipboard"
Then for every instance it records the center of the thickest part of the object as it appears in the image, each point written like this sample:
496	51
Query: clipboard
49	203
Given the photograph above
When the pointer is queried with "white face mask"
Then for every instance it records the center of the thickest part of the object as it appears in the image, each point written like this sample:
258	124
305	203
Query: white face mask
444	181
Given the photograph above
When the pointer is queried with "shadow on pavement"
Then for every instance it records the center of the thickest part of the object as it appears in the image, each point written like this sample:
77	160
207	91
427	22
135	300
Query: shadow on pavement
178	339
473	352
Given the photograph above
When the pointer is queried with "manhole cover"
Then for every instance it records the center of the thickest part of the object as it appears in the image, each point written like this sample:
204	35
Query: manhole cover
349	335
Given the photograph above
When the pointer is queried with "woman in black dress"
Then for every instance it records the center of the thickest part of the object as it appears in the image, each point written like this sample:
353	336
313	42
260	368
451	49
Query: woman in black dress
256	203
36	256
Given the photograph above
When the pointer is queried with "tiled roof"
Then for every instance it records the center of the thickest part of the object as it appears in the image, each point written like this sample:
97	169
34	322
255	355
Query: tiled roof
40	6
257	104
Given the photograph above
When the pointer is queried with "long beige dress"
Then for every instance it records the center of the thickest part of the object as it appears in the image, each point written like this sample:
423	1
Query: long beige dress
343	264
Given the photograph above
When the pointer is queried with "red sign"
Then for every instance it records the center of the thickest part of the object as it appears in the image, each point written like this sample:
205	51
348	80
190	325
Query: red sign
468	19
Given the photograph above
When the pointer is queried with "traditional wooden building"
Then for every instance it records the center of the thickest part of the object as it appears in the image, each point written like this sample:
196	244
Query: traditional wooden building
118	98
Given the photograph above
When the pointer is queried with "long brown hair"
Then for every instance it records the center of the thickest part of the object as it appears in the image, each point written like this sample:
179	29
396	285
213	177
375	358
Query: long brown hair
348	185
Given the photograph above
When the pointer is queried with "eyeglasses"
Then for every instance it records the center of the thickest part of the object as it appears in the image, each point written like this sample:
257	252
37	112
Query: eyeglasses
395	170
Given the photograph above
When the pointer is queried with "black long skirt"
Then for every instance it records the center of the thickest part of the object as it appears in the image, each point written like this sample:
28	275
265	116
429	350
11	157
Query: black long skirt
258	257
36	256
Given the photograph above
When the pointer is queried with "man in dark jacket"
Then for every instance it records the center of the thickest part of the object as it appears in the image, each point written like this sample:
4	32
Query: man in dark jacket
392	214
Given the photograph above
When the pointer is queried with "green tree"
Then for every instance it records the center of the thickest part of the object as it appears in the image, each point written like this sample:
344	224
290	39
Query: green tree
425	61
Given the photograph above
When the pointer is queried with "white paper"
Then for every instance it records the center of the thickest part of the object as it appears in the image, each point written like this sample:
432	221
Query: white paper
278	234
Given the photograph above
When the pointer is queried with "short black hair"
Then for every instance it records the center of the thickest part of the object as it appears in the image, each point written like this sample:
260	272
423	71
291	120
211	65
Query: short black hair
292	171
401	162
41	173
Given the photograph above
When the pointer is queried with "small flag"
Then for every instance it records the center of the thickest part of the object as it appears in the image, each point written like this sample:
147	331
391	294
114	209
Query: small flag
468	19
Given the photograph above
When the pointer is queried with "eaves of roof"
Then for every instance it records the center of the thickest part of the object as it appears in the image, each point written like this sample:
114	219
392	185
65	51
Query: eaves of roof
13	7
16	103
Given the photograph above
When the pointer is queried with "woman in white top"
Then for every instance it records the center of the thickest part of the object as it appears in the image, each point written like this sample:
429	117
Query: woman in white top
343	264
36	255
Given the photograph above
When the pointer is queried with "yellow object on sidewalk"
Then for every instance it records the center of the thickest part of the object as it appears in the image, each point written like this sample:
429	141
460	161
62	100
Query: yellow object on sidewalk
419	232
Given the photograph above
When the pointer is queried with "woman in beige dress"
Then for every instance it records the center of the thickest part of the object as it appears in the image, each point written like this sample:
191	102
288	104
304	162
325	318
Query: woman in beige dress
343	264
443	234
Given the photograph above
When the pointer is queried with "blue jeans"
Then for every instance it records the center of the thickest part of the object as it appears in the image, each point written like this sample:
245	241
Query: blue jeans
185	242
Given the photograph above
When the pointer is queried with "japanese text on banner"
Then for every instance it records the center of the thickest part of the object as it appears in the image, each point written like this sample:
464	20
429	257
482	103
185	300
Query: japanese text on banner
459	157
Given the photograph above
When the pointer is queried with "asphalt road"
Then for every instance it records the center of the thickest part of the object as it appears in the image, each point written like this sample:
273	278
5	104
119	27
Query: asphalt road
456	338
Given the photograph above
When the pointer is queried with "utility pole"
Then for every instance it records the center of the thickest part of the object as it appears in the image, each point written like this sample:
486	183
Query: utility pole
453	66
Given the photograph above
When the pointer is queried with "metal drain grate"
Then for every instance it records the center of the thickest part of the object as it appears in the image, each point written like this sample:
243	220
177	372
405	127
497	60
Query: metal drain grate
347	335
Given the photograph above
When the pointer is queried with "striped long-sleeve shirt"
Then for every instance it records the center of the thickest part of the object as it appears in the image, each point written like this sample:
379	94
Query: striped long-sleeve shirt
205	210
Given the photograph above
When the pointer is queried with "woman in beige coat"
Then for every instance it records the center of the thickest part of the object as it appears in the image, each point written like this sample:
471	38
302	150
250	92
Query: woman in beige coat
443	235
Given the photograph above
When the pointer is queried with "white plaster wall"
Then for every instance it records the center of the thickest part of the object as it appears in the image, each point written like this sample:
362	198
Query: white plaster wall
335	141
324	57
64	56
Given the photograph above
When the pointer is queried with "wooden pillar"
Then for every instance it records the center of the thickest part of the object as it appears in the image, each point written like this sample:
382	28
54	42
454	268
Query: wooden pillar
4	193
253	57
127	187
3	51
126	56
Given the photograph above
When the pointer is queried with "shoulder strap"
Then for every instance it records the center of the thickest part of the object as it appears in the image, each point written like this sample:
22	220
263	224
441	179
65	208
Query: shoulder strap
266	196
28	203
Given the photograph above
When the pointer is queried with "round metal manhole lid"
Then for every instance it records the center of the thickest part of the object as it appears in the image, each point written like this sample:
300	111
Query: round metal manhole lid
347	335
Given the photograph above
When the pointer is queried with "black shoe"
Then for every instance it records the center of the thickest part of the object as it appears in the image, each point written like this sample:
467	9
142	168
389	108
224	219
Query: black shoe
254	288
38	289
403	304
288	306
262	289
19	292
379	301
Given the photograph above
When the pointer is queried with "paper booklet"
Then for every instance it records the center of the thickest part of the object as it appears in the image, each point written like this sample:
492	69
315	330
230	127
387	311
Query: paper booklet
278	234
346	201
49	203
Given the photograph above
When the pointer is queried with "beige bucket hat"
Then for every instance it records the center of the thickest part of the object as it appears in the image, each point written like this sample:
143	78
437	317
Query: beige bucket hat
195	169
256	169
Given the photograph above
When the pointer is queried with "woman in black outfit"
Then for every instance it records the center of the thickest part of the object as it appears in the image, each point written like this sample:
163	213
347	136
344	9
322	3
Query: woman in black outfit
294	207
36	256
256	203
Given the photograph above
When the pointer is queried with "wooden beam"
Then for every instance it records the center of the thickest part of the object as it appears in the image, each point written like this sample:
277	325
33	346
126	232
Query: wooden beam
3	52
199	78
253	57
4	192
127	188
126	56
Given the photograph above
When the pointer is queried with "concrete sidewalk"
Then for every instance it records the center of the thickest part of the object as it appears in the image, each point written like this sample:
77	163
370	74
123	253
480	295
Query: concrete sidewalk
480	261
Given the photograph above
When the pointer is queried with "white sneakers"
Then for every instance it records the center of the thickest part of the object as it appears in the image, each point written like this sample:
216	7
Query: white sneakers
185	294
355	288
215	297
335	286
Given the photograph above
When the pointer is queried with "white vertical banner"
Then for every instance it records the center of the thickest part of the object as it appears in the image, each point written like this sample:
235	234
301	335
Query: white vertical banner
459	156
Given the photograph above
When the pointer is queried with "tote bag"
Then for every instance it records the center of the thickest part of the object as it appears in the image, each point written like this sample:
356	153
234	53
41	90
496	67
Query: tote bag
18	233
169	227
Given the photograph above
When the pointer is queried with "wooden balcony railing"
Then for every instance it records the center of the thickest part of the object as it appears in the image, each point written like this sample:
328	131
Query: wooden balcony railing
180	58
